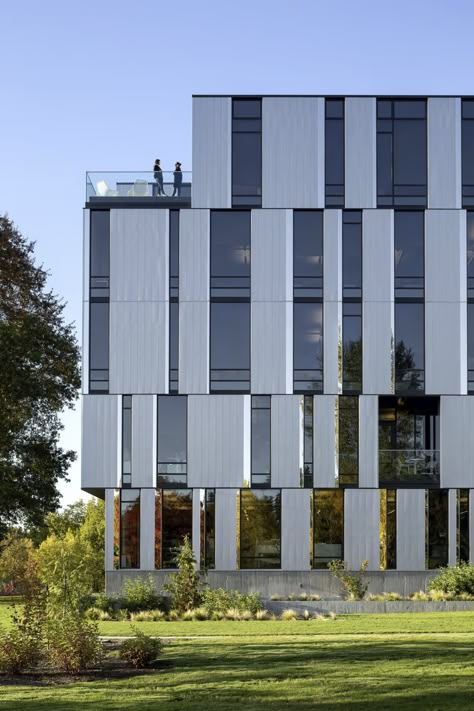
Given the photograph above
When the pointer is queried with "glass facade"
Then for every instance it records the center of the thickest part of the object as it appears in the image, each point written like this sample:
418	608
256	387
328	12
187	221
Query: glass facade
172	440
467	142
260	529
388	529
307	347
334	152
176	517
328	526
348	440
208	528
99	294
261	454
130	528
437	507
308	437
126	440
246	152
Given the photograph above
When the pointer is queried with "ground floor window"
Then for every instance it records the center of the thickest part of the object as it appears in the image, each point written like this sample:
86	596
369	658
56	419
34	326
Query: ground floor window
436	528
208	528
388	529
259	530
127	528
173	521
328	526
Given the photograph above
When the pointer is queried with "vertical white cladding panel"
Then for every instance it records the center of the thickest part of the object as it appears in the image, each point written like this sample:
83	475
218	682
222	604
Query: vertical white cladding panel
293	152
452	526
444	152
86	245
143	436
332	356
216	430
378	347
226	529
272	255
194	347
295	529
471	526
377	255
445	356
85	347
445	255
368	441
99	441
456	443
332	316
196	525
85	299
109	529
411	529
325	462
272	347
147	529
360	152
139	255
212	152
361	527
139	347
194	255
286	440
332	255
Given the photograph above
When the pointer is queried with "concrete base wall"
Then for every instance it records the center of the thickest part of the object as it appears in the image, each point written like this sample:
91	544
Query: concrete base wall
269	583
342	607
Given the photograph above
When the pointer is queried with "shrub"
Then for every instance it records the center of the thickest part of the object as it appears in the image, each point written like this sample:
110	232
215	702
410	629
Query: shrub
276	597
173	616
306	615
440	596
185	586
187	616
140	594
221	600
200	614
384	597
73	643
455	580
289	614
232	614
302	596
246	615
332	615
93	613
354	584
140	651
420	596
262	615
314	597
19	650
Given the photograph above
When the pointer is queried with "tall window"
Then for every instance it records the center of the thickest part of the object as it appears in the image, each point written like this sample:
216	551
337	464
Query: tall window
468	153
174	302
130	528
126	441
172	440
436	528
307	254
260	528
470	302
208	528
352	301
308	347
401	153
409	269
175	513
99	301
388	529
463	525
261	441
328	526
230	301
334	152
348	440
308	434
247	152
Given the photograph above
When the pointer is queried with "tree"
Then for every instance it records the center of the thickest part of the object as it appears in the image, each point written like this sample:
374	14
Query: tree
184	587
16	552
58	523
39	377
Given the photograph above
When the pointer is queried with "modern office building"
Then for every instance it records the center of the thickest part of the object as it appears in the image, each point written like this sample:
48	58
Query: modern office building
279	351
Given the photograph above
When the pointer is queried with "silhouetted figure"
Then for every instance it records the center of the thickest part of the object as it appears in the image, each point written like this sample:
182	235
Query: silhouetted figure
177	179
158	174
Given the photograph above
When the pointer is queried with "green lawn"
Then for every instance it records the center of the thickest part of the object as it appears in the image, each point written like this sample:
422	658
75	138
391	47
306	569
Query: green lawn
406	661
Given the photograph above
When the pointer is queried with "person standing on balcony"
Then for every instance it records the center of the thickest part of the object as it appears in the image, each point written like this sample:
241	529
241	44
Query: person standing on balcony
158	174
178	179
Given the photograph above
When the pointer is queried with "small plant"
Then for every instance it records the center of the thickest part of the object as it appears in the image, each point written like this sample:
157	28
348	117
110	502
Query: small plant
140	651
455	580
320	618
246	615
440	596
140	594
332	615
73	643
185	586
200	614
18	650
420	596
220	600
303	597
232	614
93	613
173	616
289	615
262	615
384	597
217	616
290	597
354	583
314	597
306	615
276	597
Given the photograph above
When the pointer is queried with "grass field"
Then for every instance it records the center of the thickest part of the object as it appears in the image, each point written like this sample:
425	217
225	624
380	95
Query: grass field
403	661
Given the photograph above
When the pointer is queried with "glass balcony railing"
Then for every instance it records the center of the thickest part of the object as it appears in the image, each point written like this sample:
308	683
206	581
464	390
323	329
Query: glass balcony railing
166	187
409	466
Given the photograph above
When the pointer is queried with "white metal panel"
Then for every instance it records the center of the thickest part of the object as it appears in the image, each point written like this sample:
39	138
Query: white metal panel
194	347
368	441
444	152
194	255
139	347
139	255
86	249
445	349
198	494
99	441
109	529
452	526
332	347
332	255
272	255
295	529
143	461
378	357
272	347
247	449
85	347
226	529
411	529
212	152
216	428
286	440
293	152
471	526
361	527
377	255
445	255
360	152
456	443
147	529
325	460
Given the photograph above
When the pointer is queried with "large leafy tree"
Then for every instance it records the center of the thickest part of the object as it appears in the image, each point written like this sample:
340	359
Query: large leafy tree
39	377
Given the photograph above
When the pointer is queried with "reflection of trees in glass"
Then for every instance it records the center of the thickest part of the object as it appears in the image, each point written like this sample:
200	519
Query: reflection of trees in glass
348	439
176	523
388	529
260	517
352	365
130	533
406	373
328	526
158	518
463	504
437	528
117	529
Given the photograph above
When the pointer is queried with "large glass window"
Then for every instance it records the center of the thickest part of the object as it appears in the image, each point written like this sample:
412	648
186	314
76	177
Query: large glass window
247	152
463	526
126	441
328	526
230	347
352	254
348	440
130	528
352	346
468	153
334	152
99	253
308	433
260	528
230	254
308	347
409	441
307	254
172	440
352	301
99	301
401	153
388	529
409	254
176	517
436	528
409	346
208	528
261	440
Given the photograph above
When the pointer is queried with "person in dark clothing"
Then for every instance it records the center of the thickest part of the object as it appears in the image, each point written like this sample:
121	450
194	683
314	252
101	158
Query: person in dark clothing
158	174
177	179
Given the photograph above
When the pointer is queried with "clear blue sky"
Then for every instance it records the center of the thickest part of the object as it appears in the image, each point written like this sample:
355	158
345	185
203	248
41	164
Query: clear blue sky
108	85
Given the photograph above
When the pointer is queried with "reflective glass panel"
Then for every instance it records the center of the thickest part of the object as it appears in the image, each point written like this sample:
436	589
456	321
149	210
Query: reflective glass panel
230	335
177	510
230	243
307	243
130	528
328	526
172	428
260	528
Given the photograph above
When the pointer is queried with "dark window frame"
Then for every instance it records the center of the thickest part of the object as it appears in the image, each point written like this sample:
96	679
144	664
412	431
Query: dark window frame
254	482
313	289
99	293
251	201
161	481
